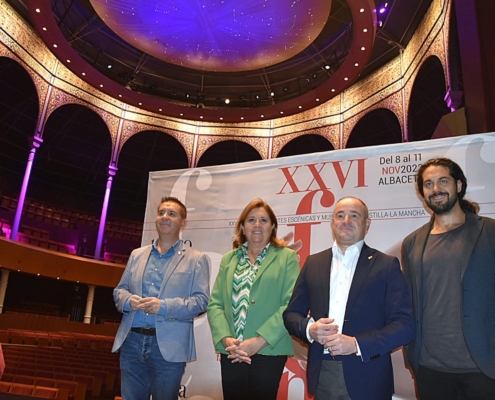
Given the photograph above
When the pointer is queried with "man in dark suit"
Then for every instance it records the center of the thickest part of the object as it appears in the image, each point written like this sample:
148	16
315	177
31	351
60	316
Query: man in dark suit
449	265
359	312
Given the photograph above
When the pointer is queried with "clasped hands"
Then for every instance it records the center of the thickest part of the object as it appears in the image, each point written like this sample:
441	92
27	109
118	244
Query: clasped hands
325	332
150	305
242	351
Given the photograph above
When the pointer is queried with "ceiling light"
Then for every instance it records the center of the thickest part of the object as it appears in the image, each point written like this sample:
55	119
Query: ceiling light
68	61
55	46
363	48
221	118
272	94
227	101
109	66
44	28
101	85
327	66
83	74
257	97
160	109
299	107
38	10
140	104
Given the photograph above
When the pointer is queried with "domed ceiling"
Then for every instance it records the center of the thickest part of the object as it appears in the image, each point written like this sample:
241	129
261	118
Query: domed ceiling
217	36
224	60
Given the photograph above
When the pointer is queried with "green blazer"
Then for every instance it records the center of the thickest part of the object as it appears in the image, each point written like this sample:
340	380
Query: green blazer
270	294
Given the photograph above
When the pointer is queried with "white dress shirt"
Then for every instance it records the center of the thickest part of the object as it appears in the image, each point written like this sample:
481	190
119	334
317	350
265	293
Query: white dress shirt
341	274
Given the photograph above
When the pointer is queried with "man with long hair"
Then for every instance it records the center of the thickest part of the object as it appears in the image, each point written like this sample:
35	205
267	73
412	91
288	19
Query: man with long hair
449	266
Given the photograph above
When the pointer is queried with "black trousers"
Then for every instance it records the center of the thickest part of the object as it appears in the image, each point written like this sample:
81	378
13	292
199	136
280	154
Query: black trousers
258	380
437	385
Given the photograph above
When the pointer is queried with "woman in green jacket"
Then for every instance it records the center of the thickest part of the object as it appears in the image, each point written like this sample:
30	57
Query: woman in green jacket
251	291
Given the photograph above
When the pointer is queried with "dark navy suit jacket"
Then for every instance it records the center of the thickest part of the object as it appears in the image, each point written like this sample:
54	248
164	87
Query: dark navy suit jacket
478	289
378	313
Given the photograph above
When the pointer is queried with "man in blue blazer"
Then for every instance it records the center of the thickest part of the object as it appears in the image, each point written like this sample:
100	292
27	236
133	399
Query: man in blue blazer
350	303
449	265
164	287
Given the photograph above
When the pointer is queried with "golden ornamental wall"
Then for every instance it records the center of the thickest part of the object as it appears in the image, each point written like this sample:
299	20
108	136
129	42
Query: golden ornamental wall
389	87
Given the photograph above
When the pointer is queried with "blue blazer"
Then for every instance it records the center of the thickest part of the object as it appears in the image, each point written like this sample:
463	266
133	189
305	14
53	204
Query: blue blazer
378	314
478	289
185	291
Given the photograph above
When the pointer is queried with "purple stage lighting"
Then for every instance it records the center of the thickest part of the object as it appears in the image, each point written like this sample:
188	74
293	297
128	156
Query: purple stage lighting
213	35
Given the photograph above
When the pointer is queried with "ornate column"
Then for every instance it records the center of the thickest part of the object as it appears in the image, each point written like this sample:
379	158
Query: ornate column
36	142
112	171
453	99
89	304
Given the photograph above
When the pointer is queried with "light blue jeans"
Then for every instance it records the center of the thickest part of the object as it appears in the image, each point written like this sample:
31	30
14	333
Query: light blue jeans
145	372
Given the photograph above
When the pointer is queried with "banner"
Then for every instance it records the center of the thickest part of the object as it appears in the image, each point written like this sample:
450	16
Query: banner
302	190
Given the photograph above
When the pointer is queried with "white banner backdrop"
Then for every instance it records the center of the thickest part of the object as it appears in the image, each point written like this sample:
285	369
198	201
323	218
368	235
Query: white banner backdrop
302	190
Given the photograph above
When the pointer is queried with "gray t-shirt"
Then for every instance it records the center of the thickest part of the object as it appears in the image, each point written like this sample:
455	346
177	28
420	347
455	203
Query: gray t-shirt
444	347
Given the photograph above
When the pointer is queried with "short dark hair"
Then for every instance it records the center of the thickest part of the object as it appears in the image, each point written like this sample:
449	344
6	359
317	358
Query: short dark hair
240	238
171	199
456	173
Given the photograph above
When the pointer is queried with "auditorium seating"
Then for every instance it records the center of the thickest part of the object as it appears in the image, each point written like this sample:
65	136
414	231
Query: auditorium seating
36	390
78	372
39	222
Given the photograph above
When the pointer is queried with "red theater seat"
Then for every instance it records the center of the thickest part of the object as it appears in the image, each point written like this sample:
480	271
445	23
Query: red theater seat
5	387
19	388
45	392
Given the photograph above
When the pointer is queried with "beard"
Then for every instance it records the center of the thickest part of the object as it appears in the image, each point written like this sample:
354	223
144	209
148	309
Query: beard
442	208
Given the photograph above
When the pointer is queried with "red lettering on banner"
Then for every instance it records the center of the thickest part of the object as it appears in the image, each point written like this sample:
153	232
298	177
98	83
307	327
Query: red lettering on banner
294	381
317	177
360	172
290	180
302	231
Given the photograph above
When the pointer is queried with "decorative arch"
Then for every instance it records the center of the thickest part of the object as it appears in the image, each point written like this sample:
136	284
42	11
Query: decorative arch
330	132
225	143
131	128
379	123
306	144
40	84
393	103
260	144
59	98
428	106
